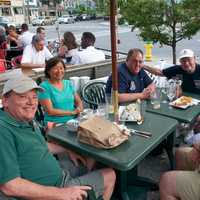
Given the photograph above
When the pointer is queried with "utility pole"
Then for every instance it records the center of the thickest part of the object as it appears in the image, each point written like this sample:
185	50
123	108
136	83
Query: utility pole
24	11
28	11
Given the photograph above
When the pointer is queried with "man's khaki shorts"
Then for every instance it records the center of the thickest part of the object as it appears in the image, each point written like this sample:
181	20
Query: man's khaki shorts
74	176
188	185
187	162
188	182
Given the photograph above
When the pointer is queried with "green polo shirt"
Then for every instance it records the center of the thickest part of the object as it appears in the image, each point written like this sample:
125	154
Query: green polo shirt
24	153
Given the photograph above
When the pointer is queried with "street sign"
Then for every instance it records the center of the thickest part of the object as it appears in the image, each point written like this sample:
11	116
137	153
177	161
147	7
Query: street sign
5	2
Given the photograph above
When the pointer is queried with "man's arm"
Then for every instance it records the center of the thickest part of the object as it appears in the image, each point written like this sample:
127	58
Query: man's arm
127	97
153	70
31	66
25	189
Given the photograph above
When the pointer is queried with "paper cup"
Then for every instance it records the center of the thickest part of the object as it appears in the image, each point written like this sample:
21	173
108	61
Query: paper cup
76	82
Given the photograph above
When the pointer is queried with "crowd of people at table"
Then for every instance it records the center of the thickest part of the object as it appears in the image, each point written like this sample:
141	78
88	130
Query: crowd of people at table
28	168
32	49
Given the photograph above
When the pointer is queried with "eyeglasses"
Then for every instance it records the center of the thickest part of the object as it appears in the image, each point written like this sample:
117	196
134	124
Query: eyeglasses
136	61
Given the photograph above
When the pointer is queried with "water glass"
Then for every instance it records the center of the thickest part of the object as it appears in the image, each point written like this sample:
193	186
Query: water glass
143	106
102	110
164	89
109	103
155	98
86	114
171	91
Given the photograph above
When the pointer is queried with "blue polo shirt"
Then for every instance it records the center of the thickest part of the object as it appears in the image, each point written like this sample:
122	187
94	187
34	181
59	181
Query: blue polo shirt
128	82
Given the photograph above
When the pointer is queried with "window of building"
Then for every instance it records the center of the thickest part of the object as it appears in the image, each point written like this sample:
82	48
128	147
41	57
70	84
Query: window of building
18	10
6	11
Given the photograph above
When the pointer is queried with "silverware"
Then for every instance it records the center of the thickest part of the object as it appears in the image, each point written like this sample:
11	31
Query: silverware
141	133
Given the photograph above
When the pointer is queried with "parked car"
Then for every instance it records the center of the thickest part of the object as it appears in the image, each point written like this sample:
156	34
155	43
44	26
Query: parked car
49	20
66	19
39	21
78	18
83	17
43	20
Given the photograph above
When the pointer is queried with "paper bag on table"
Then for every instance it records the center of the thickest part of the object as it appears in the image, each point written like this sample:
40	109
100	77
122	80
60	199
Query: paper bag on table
100	133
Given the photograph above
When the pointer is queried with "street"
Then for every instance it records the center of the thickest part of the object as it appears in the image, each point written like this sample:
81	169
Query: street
128	39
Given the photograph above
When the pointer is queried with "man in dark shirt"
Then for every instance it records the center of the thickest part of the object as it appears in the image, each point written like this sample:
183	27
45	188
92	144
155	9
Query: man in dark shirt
188	71
134	83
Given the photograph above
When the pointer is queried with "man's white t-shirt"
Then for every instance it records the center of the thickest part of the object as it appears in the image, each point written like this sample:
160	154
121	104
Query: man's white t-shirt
31	55
25	38
88	55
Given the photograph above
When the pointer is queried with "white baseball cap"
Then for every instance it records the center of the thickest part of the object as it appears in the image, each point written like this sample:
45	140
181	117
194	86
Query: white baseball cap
186	53
20	84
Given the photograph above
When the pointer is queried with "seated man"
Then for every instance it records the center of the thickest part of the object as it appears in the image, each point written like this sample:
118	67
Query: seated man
89	53
184	183
134	83
26	37
35	54
28	169
188	71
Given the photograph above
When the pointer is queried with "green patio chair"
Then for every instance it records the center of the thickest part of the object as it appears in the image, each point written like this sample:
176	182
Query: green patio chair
94	93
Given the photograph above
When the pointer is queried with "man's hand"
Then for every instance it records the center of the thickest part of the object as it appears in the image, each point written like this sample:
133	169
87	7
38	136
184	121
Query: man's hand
75	158
146	93
75	192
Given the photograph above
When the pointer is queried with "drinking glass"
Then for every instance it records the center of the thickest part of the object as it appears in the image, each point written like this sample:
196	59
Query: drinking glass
109	103
155	98
171	91
102	110
164	88
143	106
86	114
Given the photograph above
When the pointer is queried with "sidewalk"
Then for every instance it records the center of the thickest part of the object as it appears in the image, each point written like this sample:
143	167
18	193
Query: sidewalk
152	167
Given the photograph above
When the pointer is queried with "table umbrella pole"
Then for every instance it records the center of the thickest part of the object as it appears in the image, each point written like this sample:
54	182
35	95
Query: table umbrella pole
114	57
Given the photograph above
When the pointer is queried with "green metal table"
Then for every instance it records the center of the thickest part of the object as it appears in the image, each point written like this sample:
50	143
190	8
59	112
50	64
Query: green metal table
126	156
182	115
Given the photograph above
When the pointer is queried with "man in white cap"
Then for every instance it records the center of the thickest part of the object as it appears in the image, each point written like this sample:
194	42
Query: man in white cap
28	170
188	71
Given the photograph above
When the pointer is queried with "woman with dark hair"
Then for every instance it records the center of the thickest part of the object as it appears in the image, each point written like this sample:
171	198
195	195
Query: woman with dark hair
69	47
60	101
13	37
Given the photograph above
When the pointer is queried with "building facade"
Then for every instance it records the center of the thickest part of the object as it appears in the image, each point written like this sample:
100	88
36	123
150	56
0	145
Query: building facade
31	9
13	10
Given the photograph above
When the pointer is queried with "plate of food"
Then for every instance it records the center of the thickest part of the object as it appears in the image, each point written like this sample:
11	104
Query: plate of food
182	102
130	113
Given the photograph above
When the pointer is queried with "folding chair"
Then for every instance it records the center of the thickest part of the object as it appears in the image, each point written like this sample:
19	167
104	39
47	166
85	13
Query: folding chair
94	93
